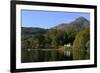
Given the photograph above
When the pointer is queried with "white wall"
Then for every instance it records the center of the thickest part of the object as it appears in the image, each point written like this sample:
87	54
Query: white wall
5	37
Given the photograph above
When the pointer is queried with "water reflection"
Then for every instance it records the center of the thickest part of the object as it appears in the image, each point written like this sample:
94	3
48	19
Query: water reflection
46	55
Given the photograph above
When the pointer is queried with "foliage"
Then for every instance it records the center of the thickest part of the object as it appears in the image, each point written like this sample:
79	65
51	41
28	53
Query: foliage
38	41
55	38
88	49
79	46
71	35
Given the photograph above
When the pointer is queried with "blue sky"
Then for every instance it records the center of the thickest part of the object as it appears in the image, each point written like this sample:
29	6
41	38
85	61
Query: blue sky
48	19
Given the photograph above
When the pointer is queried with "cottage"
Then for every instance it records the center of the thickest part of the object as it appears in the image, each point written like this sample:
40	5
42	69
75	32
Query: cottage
68	45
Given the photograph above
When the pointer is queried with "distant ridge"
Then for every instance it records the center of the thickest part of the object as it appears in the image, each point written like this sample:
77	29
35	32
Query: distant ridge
32	30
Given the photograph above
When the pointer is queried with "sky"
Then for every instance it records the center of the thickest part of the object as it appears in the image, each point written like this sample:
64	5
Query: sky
48	19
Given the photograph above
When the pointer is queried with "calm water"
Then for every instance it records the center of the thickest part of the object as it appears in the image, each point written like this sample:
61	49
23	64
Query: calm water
45	55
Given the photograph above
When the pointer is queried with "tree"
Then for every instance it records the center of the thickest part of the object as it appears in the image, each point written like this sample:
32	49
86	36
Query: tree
88	49
55	38
25	54
71	35
38	41
79	45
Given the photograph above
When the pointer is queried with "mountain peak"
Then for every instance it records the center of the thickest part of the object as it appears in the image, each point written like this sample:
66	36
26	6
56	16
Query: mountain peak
81	19
78	23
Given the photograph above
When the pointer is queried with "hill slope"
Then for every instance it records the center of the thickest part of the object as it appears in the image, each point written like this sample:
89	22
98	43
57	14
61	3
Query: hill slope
30	31
78	24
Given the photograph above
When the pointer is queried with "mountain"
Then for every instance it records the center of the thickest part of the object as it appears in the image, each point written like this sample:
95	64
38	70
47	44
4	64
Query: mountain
29	31
78	24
